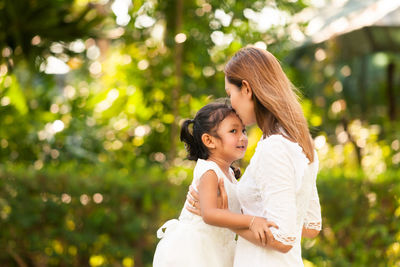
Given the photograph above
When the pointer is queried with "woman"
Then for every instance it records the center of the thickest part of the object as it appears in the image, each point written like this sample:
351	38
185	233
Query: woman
279	183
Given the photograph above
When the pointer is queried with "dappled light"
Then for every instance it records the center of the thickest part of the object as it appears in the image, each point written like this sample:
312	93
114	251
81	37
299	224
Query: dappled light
92	95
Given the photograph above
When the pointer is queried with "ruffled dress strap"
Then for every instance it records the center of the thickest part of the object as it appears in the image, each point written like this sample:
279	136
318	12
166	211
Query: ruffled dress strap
202	167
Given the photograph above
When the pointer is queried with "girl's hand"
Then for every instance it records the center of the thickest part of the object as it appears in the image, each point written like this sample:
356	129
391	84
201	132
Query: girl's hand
193	197
260	228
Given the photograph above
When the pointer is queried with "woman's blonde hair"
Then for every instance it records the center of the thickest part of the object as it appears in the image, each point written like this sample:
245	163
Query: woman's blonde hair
276	103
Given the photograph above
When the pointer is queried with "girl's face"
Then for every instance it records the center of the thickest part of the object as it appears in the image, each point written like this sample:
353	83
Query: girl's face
232	142
241	101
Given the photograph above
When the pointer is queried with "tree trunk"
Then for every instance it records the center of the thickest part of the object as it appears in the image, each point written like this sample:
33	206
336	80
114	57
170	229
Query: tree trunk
352	140
19	260
178	80
362	87
390	92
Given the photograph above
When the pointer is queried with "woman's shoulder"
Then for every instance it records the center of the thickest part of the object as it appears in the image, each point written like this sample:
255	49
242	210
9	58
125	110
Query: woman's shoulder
280	142
287	154
281	146
274	138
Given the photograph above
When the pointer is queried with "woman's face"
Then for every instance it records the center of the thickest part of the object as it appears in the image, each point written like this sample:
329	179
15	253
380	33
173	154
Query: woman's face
241	101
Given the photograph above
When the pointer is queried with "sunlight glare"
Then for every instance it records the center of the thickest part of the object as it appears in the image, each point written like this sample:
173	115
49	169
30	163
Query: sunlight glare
120	9
224	18
221	39
55	66
144	21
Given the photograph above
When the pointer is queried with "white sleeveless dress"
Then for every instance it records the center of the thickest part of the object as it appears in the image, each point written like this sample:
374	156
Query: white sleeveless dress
279	185
189	241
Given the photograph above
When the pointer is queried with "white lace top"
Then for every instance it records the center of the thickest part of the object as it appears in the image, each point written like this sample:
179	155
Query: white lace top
279	185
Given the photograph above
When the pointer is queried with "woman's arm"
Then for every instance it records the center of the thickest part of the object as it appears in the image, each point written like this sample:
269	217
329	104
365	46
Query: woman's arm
312	221
309	233
222	203
271	242
275	174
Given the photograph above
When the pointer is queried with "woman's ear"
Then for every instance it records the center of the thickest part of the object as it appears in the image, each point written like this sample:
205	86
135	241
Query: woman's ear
208	140
246	89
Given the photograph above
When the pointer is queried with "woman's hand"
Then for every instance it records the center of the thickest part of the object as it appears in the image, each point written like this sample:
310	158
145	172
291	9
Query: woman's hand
309	233
193	197
260	228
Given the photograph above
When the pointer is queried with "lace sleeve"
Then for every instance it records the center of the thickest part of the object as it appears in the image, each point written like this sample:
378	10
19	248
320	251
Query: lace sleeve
313	216
275	178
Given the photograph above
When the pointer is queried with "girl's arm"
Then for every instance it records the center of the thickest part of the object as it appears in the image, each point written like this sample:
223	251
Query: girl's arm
222	200
211	214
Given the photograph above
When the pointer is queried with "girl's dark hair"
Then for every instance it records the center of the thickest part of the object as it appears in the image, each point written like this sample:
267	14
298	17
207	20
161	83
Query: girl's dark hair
207	121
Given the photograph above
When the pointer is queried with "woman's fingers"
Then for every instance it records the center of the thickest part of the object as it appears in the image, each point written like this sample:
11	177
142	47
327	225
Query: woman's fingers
192	197
263	238
192	202
272	224
268	235
189	197
193	193
219	202
196	204
193	210
224	195
257	236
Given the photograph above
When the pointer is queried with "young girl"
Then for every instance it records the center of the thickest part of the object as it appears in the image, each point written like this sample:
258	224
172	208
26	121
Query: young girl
218	138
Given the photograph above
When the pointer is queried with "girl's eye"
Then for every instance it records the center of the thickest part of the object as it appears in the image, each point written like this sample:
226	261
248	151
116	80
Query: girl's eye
244	131
233	131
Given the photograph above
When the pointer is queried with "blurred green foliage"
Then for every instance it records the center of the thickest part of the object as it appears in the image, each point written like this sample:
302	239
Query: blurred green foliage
74	215
360	221
77	214
90	160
